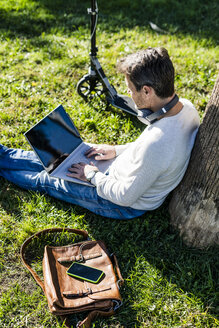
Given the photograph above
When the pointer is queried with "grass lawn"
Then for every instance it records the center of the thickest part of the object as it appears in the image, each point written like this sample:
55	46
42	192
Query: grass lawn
44	47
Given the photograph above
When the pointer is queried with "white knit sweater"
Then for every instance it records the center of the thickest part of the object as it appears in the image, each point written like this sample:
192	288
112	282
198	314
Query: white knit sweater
146	170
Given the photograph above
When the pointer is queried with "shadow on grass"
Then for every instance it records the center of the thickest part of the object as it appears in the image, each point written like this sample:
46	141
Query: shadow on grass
150	238
12	196
198	18
9	197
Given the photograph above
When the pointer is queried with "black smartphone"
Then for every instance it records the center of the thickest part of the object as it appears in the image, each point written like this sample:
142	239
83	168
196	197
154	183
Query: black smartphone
85	272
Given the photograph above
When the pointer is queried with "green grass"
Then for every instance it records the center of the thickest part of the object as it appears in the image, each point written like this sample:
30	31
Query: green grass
43	54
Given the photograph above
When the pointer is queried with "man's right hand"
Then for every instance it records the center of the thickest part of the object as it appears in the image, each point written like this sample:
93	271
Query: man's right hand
101	152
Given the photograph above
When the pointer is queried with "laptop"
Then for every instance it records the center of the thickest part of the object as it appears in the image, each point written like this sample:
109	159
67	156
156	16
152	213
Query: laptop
58	144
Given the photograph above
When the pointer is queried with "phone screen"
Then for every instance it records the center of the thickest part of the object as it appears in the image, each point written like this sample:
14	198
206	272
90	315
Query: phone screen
85	272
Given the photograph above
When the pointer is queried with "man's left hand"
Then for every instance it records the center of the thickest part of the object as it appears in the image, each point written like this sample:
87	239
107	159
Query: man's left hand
80	170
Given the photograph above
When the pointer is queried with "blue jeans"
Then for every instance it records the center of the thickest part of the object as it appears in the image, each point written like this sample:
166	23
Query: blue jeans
25	170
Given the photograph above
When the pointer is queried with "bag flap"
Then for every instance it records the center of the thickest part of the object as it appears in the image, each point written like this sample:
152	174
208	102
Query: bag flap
59	285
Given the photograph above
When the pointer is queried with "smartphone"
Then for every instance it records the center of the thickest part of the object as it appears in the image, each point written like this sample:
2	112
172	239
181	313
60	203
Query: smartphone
85	272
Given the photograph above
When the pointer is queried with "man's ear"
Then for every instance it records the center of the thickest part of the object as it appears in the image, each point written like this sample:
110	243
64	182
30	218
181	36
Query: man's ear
146	89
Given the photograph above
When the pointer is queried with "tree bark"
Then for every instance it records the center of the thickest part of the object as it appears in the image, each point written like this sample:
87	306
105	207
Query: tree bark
194	204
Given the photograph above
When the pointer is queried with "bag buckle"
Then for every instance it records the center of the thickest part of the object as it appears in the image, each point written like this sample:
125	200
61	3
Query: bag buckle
117	305
81	258
118	283
89	291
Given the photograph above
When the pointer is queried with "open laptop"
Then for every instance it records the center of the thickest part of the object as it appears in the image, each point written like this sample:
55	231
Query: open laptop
58	145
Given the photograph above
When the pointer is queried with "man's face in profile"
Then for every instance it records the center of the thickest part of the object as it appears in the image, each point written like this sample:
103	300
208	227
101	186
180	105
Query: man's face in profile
139	97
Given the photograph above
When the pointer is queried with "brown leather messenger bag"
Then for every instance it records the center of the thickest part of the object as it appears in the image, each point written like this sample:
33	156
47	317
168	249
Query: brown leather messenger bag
68	295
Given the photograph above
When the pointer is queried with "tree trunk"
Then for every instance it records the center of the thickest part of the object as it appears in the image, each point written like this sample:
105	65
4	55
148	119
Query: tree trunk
194	204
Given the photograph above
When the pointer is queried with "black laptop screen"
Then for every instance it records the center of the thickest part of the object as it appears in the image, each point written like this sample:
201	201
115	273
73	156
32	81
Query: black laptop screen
54	138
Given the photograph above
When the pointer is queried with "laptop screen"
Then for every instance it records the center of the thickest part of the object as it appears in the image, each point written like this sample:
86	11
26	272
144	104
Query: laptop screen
54	138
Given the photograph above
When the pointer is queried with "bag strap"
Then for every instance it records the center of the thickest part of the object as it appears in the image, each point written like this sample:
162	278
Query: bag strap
45	231
120	282
86	323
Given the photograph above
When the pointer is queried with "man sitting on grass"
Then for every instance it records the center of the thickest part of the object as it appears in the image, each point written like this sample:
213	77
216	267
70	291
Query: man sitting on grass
144	171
